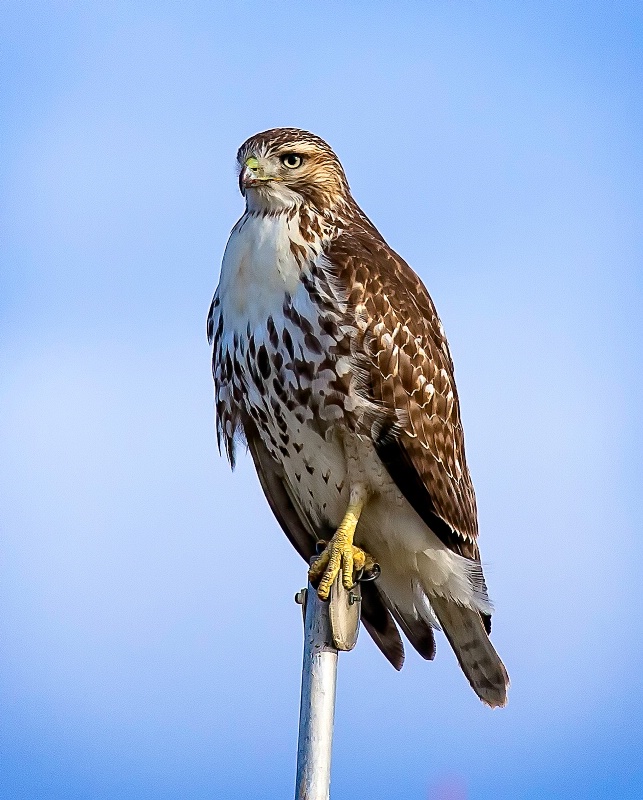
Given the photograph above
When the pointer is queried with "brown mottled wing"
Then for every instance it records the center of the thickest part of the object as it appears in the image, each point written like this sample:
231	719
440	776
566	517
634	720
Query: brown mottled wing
375	615
402	347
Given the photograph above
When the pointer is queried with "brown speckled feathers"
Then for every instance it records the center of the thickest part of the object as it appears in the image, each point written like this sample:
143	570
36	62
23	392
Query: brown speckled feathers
410	372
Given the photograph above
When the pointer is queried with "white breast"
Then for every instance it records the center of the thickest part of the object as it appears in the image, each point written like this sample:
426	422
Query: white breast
258	269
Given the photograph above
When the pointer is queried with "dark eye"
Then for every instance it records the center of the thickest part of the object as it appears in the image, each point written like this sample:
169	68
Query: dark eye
291	160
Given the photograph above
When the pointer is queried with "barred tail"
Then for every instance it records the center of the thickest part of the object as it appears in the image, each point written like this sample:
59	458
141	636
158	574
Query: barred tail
477	657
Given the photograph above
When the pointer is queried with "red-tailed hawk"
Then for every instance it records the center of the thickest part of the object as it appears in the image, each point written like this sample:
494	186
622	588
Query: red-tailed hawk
330	360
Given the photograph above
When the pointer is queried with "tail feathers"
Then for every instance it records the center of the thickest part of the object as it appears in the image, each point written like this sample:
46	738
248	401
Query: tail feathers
379	623
418	632
481	664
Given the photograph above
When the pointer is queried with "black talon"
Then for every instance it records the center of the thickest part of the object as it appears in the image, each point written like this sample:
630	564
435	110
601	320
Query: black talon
320	546
364	576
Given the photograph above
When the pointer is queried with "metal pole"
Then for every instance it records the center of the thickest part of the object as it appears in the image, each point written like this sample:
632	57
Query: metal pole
317	709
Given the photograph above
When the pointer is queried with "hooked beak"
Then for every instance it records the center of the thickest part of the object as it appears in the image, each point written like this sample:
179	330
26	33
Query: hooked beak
248	177
252	174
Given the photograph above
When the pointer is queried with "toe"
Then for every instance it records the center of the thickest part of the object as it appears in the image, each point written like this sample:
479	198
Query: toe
316	570
359	559
347	568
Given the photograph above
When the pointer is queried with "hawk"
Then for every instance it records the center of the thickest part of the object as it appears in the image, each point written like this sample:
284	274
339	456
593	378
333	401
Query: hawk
331	363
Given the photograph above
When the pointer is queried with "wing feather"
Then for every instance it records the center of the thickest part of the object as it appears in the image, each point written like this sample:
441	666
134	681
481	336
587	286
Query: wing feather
402	346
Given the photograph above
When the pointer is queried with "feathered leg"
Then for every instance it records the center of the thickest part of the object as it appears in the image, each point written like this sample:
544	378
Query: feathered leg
340	553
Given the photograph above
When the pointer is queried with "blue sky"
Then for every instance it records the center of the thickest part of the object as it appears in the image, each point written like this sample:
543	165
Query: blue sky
497	146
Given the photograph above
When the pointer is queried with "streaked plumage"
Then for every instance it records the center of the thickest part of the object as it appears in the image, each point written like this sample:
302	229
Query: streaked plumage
330	360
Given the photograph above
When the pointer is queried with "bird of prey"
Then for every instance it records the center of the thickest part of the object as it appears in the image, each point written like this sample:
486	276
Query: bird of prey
330	362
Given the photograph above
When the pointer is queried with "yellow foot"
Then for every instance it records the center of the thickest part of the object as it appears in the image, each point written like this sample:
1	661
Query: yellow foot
340	553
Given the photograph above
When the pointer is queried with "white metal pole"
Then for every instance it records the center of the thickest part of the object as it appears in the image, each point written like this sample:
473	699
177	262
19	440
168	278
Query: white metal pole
317	709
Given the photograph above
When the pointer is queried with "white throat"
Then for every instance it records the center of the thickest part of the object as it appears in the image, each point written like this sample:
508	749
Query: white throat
271	198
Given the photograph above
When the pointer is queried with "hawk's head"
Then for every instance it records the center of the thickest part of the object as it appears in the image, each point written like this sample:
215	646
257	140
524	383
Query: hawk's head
287	167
